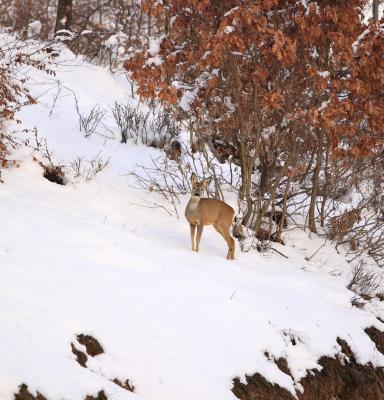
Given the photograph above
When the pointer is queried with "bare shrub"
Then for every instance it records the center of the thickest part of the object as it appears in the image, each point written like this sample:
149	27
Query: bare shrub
171	178
364	282
153	127
173	150
167	126
341	225
89	122
88	169
53	171
130	121
163	178
360	230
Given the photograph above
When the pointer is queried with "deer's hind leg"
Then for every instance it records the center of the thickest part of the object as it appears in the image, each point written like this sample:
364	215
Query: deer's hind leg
193	234
229	239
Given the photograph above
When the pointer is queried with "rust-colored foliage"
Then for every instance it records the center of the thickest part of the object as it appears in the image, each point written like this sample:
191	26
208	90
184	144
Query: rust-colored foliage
282	82
274	59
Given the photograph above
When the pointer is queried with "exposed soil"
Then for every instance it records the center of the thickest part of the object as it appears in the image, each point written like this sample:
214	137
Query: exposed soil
54	173
100	396
258	388
377	337
341	378
81	357
125	385
92	347
380	296
24	394
344	380
283	366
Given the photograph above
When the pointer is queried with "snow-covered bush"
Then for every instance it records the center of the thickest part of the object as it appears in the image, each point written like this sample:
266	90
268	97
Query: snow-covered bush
153	127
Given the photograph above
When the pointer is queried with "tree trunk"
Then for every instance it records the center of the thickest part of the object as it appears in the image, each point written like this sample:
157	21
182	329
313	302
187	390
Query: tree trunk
246	174
283	218
271	189
375	9
64	15
327	185
315	184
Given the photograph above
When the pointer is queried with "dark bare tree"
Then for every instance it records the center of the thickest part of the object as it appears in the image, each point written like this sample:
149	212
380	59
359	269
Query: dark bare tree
64	15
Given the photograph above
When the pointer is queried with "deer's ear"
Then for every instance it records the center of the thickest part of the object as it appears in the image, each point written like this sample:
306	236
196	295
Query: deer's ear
193	178
206	182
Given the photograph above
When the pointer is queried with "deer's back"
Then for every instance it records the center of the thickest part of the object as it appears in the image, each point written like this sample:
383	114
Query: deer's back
209	212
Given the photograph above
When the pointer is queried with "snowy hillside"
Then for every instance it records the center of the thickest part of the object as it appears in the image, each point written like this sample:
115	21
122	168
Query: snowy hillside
97	258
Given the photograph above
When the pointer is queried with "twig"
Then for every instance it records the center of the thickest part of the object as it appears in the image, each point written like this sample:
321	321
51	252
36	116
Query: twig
279	252
308	258
153	206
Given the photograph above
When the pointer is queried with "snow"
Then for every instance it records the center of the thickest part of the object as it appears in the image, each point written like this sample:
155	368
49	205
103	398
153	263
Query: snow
313	53
63	34
187	99
229	104
323	74
153	50
154	45
34	28
268	131
356	44
156	60
227	14
368	11
229	29
85	258
112	41
172	20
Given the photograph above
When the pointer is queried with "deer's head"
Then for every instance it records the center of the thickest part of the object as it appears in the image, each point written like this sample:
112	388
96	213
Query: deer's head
198	187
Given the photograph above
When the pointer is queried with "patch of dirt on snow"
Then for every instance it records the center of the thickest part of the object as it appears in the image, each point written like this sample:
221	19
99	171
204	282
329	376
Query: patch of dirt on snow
283	365
125	384
100	396
257	387
341	378
377	337
25	394
92	347
81	357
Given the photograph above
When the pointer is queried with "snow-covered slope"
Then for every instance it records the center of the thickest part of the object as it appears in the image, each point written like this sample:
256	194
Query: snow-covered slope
86	258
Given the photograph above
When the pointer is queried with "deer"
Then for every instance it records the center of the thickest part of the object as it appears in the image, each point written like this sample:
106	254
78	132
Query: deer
202	211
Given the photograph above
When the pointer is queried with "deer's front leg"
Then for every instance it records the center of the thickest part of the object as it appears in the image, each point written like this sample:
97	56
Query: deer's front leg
199	233
193	232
